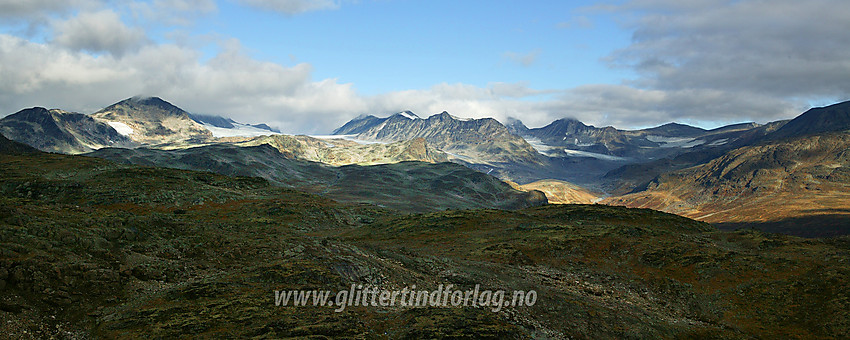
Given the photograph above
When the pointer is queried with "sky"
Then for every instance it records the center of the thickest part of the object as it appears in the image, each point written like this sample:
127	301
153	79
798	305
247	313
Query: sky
308	66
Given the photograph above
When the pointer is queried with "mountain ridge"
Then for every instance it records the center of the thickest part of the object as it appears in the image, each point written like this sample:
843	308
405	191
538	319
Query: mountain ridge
482	140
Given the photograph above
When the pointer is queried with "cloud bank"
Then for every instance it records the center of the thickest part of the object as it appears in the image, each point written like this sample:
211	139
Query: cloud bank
703	62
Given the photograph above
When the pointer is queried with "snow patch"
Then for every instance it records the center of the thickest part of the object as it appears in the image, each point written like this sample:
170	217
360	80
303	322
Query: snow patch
719	142
408	115
238	130
460	119
121	128
675	142
539	145
593	155
352	138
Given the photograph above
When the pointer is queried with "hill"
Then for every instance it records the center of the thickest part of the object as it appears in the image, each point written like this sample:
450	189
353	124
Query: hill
405	186
96	249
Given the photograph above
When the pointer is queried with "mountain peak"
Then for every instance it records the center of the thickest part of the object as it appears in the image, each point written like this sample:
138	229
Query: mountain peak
515	126
569	124
830	118
153	120
445	115
147	105
675	130
363	116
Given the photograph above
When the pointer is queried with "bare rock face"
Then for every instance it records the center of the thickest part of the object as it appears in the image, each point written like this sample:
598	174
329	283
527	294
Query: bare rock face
153	121
60	131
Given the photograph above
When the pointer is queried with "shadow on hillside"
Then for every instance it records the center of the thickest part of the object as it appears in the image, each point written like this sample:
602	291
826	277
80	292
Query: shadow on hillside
826	225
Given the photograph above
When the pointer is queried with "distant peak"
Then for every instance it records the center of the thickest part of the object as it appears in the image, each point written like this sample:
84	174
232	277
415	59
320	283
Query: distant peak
446	115
145	100
568	120
674	124
37	109
140	101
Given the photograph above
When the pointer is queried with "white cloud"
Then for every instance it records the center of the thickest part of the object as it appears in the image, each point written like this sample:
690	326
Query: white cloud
37	8
698	62
292	6
101	31
230	84
778	49
172	12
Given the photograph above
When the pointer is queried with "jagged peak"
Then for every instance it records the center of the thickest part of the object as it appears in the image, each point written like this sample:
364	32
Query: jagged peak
565	122
447	115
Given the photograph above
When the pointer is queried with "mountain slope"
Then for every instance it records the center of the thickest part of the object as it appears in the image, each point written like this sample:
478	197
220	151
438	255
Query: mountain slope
768	183
60	131
830	118
152	121
10	147
95	249
339	151
560	192
406	186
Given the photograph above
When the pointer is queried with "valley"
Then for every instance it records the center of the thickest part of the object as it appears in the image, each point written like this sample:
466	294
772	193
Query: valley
784	176
95	248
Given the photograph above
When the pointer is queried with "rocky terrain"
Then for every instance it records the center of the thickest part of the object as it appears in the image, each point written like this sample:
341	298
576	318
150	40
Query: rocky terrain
560	192
96	249
339	151
794	180
60	131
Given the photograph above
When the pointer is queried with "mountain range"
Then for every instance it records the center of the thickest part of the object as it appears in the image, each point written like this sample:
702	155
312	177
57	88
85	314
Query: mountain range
184	232
770	176
482	141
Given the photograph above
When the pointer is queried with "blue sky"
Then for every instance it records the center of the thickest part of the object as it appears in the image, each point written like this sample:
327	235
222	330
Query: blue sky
307	66
384	46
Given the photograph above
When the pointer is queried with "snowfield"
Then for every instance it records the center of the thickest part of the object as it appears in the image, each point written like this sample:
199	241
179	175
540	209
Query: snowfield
122	128
238	130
